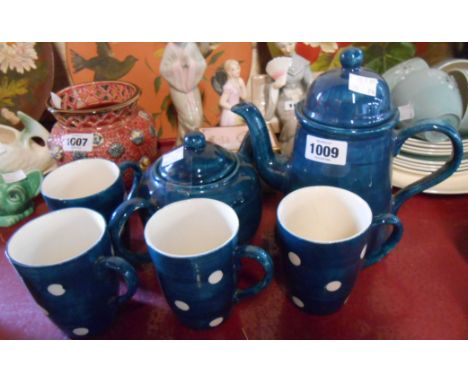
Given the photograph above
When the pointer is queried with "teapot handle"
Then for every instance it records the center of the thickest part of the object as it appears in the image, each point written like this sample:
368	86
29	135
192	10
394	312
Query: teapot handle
438	176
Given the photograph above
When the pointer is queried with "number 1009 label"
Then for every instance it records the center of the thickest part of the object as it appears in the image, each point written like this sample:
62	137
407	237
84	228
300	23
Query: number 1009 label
78	142
326	150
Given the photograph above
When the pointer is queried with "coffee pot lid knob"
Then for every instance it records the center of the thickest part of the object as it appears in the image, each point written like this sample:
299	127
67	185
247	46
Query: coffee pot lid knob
352	58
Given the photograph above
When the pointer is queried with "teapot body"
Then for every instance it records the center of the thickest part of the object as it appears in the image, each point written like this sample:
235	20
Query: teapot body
240	189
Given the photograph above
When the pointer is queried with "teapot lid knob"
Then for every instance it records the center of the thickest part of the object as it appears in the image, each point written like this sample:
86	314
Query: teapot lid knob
195	141
352	58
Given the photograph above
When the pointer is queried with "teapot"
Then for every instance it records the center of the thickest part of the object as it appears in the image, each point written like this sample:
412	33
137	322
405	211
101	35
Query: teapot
347	138
18	151
196	169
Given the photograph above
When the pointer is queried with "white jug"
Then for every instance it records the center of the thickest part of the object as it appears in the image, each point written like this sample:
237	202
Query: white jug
18	150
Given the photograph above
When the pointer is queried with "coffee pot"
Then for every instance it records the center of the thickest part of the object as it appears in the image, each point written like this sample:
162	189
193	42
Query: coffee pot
347	138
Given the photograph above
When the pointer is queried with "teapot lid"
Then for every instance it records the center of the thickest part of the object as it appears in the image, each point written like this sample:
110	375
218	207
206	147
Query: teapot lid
351	96
196	162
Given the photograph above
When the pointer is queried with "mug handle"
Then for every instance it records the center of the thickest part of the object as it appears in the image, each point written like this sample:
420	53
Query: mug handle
137	174
119	265
438	176
391	241
117	223
265	260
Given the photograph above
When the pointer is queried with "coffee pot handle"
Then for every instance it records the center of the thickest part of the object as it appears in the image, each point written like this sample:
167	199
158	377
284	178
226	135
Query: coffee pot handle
265	260
137	174
390	243
119	265
438	176
117	223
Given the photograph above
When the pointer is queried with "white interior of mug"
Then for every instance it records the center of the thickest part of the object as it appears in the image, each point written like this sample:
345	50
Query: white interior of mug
80	178
324	214
191	227
56	237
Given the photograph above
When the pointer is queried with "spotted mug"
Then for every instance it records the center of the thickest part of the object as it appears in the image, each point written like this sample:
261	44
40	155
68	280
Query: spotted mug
193	245
94	183
65	260
324	232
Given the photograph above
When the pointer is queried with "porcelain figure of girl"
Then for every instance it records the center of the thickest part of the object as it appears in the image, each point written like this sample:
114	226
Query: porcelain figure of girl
183	66
286	91
233	91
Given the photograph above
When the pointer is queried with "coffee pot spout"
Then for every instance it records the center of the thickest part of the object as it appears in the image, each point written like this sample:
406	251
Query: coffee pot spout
274	169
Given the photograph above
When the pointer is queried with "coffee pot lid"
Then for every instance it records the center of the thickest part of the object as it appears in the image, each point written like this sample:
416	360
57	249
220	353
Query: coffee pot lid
196	162
349	97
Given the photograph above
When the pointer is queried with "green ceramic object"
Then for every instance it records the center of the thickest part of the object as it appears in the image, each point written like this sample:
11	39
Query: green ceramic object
16	198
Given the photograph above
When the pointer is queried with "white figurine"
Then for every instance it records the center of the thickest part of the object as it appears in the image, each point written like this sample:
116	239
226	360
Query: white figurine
183	65
233	91
292	77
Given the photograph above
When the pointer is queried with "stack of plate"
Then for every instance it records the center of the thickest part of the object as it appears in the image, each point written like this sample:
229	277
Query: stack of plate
419	158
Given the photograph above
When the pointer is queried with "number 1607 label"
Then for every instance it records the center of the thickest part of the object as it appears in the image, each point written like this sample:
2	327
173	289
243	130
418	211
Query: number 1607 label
326	150
77	142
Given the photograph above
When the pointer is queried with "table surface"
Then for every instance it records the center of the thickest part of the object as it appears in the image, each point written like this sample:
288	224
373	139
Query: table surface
419	291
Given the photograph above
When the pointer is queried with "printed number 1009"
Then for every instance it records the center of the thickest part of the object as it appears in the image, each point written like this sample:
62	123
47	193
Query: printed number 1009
324	151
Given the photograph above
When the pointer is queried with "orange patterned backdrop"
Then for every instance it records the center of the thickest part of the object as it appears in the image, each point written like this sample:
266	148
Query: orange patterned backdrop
139	63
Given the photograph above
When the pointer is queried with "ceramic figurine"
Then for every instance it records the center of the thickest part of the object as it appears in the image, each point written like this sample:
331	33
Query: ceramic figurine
16	198
18	150
291	76
233	91
183	66
102	120
346	138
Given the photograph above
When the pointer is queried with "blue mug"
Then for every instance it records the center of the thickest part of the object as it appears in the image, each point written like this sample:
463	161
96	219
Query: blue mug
94	183
65	260
325	232
193	245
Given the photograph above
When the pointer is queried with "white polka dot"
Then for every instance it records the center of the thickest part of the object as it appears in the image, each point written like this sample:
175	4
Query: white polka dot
44	311
215	277
363	252
333	286
182	305
294	259
345	301
216	322
298	302
80	331
56	289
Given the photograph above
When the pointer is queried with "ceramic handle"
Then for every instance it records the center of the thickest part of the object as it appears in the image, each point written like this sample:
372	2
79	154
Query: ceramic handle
261	256
391	241
438	176
128	273
137	174
117	223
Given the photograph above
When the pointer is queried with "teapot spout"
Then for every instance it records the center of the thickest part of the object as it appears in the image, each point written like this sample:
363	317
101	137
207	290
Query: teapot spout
274	169
32	128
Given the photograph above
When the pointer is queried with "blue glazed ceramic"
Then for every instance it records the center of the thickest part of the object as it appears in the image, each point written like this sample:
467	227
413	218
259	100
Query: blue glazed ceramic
193	245
200	169
325	232
94	183
70	272
347	138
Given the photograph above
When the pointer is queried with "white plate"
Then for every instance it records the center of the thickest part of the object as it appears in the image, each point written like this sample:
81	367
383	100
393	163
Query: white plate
428	152
455	185
427	162
419	143
427	169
